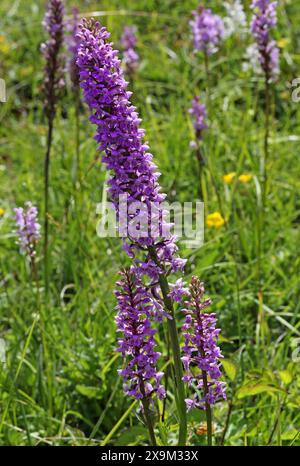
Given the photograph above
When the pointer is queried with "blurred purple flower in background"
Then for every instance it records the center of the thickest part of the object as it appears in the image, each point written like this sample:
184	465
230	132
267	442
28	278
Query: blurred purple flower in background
73	44
28	228
264	19
54	68
128	42
129	39
198	113
208	30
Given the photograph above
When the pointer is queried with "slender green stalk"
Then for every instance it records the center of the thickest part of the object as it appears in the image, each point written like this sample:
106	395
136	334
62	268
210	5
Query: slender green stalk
46	259
77	129
166	379
276	426
118	424
174	340
214	183
238	295
208	105
265	159
208	412
147	415
43	335
177	360
200	161
102	415
77	174
207	72
229	412
262	204
46	205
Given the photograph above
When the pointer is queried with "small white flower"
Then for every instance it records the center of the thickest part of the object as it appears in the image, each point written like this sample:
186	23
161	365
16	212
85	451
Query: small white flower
252	58
236	21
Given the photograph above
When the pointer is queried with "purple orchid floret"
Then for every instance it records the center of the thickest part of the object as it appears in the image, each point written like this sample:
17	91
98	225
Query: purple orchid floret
201	350
178	291
51	50
28	228
73	44
208	30
198	113
137	344
128	42
126	155
264	19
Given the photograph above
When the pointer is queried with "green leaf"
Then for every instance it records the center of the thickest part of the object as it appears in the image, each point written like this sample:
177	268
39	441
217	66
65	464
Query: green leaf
230	368
289	434
286	377
90	392
132	436
255	389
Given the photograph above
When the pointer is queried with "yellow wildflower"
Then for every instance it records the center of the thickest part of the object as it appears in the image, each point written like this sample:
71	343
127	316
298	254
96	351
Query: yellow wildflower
245	178
285	95
228	179
2	212
284	42
215	220
26	71
4	45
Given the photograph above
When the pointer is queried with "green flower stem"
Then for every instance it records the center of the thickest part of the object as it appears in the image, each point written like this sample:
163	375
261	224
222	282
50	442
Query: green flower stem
177	360
42	325
208	84
46	206
147	415
180	399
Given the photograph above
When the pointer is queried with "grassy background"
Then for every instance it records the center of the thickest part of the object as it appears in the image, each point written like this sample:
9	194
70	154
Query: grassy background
70	393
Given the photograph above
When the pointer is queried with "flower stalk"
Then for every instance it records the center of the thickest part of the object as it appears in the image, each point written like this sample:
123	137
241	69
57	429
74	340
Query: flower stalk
53	83
174	340
73	44
176	352
263	21
199	115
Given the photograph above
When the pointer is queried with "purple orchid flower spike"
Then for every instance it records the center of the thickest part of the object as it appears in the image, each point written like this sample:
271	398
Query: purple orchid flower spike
128	42
208	30
28	228
264	19
51	50
136	343
201	350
